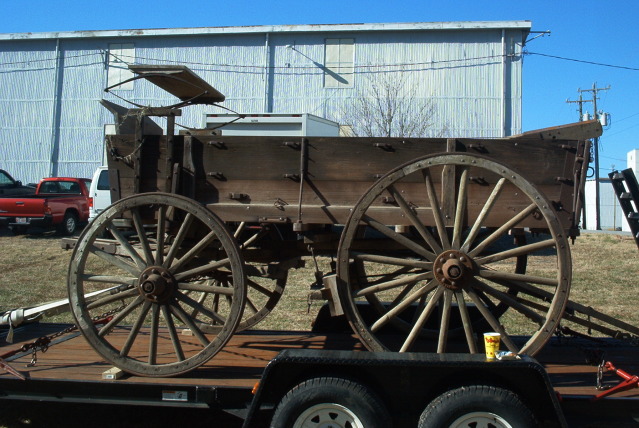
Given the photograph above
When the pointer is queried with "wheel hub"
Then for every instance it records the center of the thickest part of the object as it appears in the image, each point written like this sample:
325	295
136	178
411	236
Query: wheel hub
453	269
156	284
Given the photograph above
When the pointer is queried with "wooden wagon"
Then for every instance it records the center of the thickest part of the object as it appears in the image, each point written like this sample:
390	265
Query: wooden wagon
433	241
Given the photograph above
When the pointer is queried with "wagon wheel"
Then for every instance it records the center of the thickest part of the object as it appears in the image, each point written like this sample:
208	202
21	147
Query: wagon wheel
133	297
265	280
459	266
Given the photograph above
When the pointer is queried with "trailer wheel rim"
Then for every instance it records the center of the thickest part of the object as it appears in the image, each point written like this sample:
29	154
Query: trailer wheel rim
480	420
537	298
331	415
147	298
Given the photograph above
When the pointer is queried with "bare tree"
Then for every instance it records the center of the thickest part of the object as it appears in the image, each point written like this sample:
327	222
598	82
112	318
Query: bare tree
388	106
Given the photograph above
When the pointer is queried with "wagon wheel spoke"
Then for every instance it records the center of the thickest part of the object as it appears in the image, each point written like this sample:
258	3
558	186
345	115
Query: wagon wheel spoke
188	321
179	239
201	309
128	248
460	208
173	334
252	301
158	277
106	329
387	285
202	270
466	322
114	261
437	212
445	318
423	316
503	230
400	239
144	239
494	323
397	309
120	296
153	340
193	252
394	261
266	280
515	252
541	280
207	289
467	264
408	212
509	300
161	230
133	333
485	211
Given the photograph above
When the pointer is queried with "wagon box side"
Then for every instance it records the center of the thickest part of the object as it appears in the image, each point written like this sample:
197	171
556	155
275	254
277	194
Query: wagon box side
257	179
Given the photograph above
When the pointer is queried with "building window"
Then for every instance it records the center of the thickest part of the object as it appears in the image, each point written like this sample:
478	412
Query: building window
339	58
120	56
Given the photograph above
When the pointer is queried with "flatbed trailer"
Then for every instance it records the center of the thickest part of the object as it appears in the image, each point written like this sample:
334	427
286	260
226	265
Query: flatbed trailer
560	384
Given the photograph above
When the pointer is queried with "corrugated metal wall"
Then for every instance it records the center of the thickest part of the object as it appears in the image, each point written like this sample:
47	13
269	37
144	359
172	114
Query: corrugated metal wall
51	122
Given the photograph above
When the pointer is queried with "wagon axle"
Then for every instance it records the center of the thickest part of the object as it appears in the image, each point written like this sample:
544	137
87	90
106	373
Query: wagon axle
156	284
453	269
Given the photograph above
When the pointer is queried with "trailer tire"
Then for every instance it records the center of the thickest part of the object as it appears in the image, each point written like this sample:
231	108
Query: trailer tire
339	401
477	405
69	224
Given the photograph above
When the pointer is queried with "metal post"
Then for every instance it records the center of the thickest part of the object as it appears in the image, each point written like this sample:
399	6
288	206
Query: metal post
596	149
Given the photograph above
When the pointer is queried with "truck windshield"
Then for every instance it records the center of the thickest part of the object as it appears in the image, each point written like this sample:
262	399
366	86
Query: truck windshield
69	187
103	180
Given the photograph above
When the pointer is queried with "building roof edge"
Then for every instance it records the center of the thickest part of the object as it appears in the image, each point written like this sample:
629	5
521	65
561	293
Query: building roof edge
305	28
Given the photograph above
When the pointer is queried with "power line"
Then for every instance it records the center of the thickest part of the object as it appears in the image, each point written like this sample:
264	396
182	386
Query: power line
623	67
261	67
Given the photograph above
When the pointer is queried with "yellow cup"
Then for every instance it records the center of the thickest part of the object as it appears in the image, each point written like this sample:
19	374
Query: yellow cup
491	343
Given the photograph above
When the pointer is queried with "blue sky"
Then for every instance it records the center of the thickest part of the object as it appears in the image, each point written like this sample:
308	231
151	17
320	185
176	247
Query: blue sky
592	31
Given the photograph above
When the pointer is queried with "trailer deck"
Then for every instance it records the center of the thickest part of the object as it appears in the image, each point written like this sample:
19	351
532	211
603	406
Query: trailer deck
70	370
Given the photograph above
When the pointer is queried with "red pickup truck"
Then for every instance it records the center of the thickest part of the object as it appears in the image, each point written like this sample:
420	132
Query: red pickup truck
59	202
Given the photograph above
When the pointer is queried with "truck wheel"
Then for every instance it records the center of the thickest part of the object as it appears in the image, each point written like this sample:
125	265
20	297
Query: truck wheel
330	402
477	406
69	225
18	230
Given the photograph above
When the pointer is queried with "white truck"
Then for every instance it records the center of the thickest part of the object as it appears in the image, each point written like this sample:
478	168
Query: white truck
100	192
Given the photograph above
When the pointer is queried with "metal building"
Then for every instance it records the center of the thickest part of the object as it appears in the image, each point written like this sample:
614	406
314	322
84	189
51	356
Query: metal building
467	76
611	216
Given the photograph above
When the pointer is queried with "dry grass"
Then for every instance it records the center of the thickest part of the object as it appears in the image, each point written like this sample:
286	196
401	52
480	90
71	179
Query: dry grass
605	266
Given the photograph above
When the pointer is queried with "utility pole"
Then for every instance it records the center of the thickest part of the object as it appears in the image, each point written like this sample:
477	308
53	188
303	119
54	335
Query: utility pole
595	90
581	102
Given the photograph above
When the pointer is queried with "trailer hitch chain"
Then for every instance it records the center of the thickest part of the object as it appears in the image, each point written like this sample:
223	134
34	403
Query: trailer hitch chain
42	344
629	381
